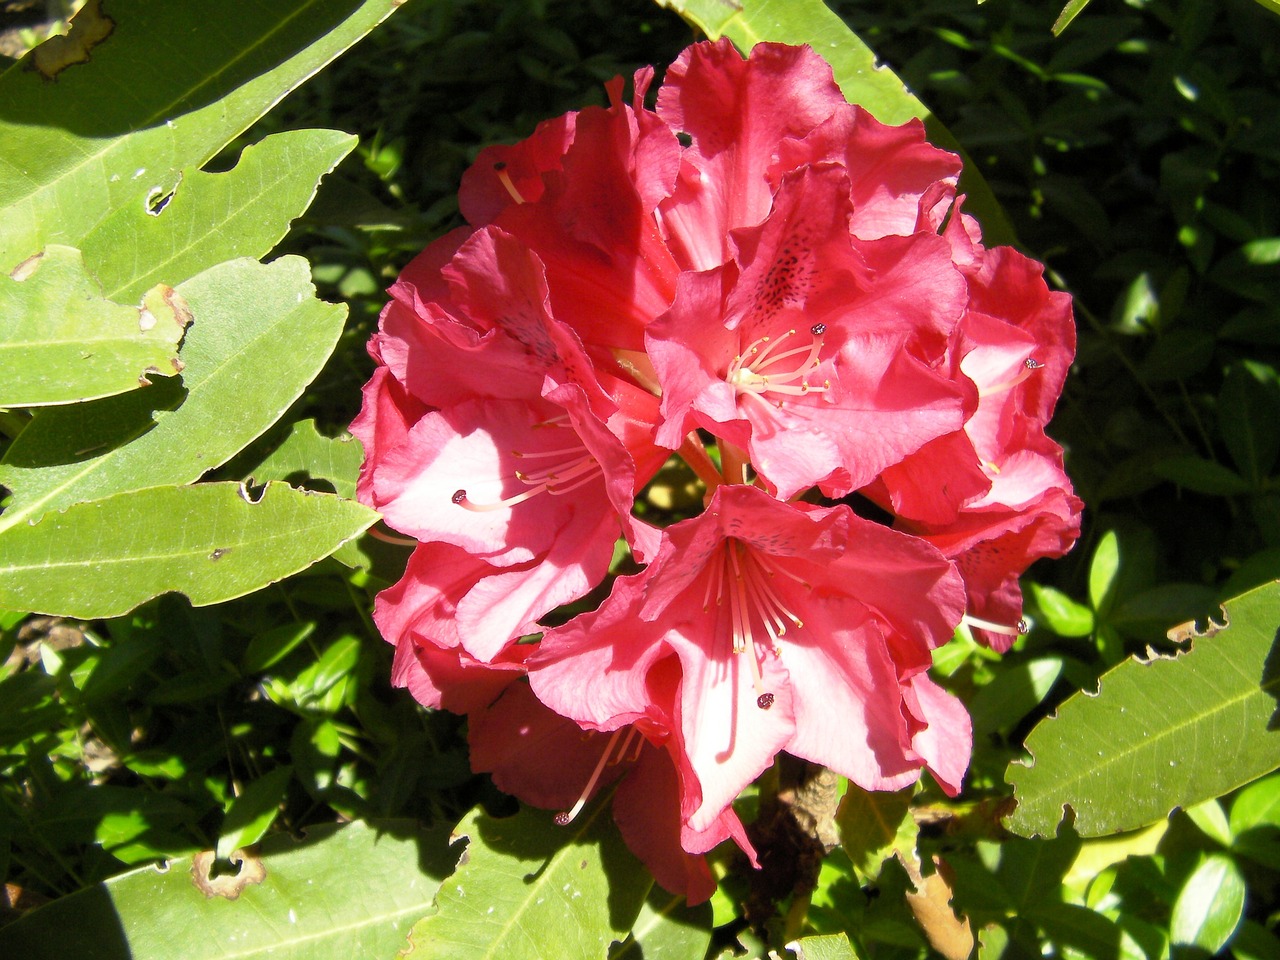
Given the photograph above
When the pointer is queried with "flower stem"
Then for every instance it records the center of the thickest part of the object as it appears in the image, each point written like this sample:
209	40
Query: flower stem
696	456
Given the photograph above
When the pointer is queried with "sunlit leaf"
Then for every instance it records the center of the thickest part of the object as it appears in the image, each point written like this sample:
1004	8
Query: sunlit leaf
350	891
667	929
253	811
154	98
525	887
211	541
875	825
1172	732
835	946
61	340
1210	904
237	382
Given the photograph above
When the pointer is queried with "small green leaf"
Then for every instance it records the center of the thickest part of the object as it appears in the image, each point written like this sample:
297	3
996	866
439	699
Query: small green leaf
667	929
527	888
350	891
1157	735
1257	805
1212	821
834	946
1016	690
1210	905
1103	570
1060	613
269	648
1202	476
237	382
62	341
209	541
1069	13
874	826
305	453
253	812
1249	418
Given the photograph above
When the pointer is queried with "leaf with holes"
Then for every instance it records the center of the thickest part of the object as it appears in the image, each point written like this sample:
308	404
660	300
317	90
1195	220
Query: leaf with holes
1172	732
212	217
62	341
349	891
113	129
875	826
209	541
237	382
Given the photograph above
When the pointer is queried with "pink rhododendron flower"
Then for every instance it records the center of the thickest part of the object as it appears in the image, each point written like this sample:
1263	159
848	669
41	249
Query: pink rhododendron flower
761	279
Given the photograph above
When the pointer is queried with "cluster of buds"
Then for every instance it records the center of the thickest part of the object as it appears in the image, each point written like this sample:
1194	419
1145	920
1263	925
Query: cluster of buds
761	279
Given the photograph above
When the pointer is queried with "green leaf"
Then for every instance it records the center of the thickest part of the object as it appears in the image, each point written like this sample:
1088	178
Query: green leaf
1060	613
527	888
212	217
1202	476
861	77
1069	13
349	891
270	647
252	813
1249	418
667	929
835	946
211	541
1212	821
153	98
1257	805
237	382
1103	571
305	453
61	340
1172	732
1210	905
1016	690
874	826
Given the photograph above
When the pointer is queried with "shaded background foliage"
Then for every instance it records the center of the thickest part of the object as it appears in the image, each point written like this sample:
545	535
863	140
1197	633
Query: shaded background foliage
1137	154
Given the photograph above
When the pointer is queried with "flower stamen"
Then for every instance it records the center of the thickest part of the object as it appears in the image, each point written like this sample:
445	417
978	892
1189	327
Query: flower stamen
500	168
574	468
756	372
1029	366
1019	629
565	817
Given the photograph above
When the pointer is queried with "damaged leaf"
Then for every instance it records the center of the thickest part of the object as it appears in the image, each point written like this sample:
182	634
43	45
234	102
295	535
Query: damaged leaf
229	886
1171	732
930	904
237	382
364	883
89	27
210	541
61	341
875	826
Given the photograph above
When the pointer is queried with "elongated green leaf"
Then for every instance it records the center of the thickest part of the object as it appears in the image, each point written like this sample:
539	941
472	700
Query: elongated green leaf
253	812
667	929
351	891
212	217
258	339
61	340
864	81
1069	13
212	542
1157	735
138	96
526	888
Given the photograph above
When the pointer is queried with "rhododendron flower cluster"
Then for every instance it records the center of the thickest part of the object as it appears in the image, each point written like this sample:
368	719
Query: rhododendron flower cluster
761	279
